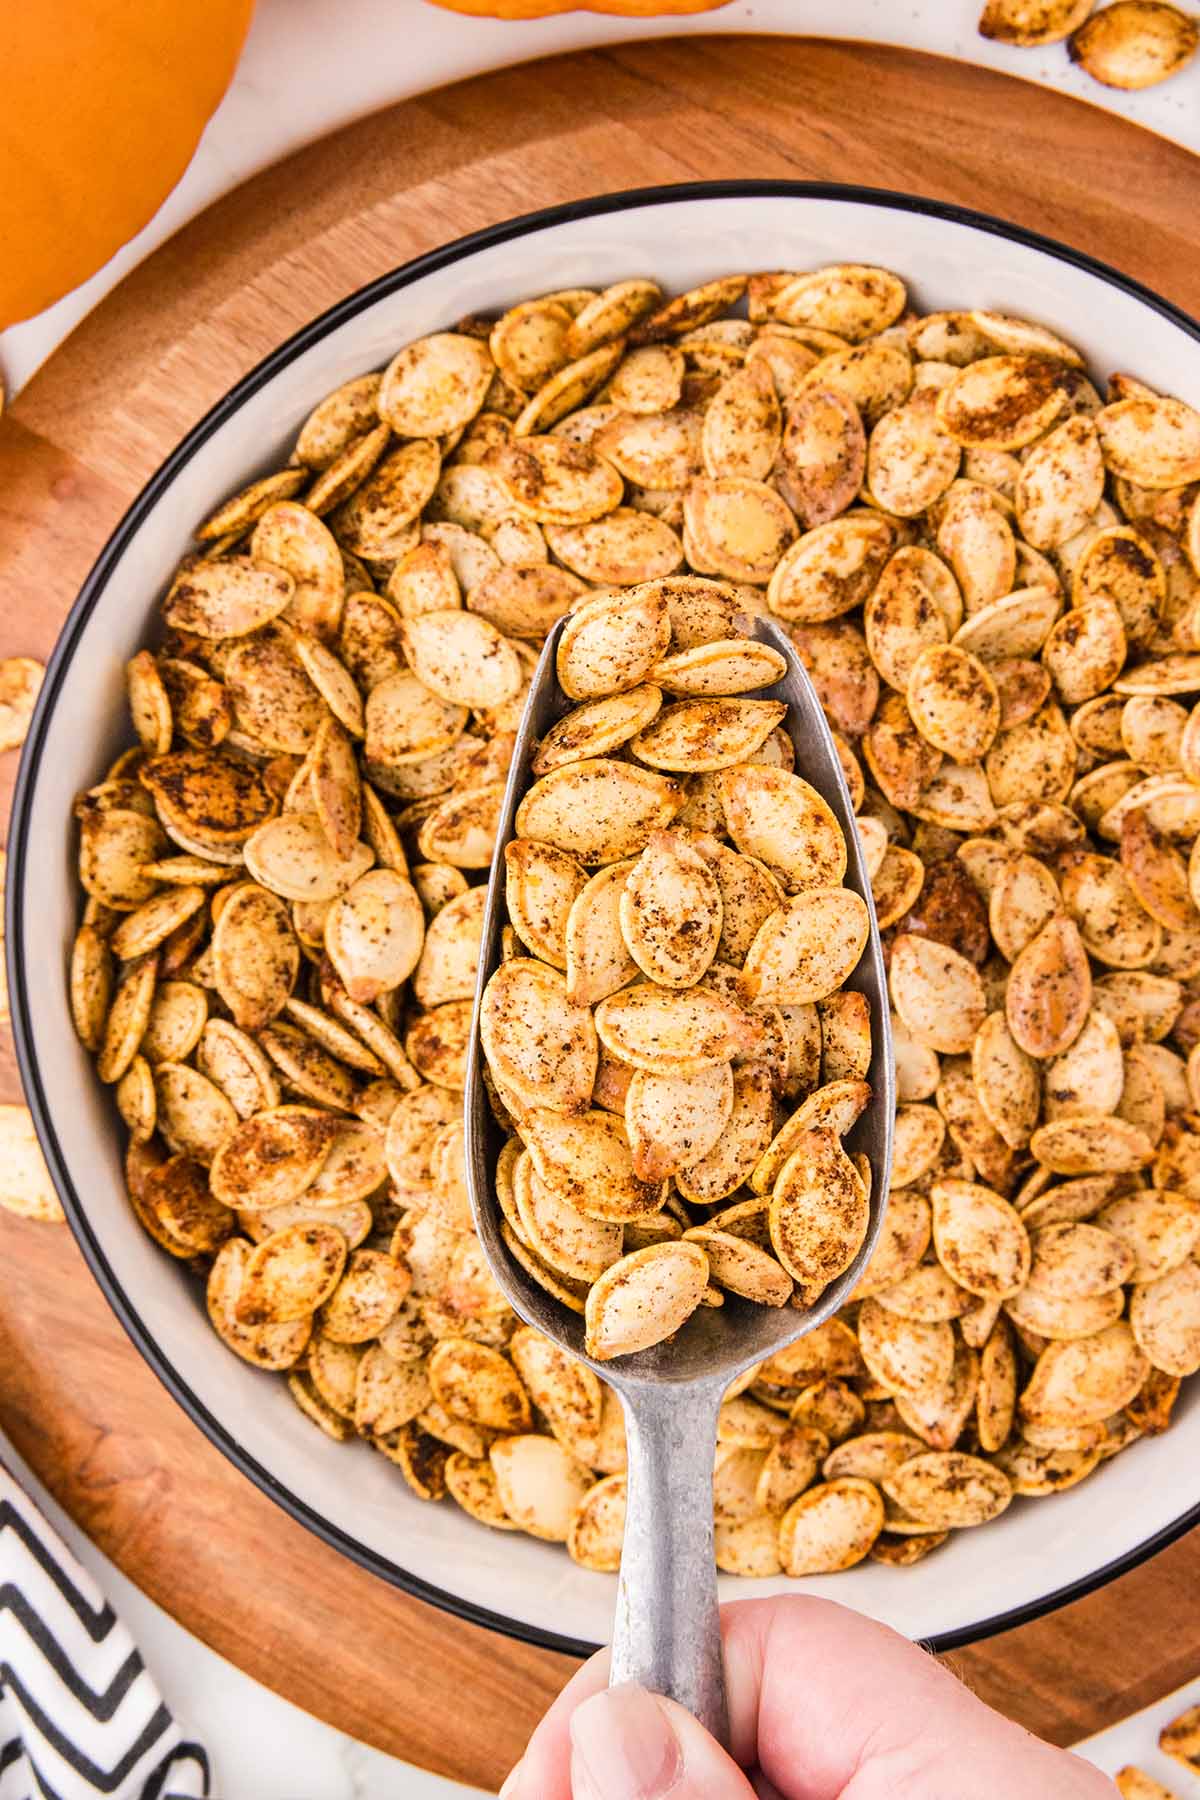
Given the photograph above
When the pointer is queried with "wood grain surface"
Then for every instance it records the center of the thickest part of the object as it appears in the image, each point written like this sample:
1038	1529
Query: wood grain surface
75	1397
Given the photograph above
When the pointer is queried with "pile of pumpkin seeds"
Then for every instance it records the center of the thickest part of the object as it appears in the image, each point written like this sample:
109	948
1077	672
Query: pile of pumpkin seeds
992	574
696	969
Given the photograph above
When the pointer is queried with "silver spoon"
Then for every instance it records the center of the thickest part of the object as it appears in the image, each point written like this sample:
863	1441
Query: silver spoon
666	1634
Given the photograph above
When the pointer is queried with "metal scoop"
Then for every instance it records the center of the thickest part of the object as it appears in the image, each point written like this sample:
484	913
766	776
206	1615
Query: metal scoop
666	1635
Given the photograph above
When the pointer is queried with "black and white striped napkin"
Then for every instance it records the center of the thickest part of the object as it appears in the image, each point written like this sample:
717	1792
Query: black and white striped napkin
79	1713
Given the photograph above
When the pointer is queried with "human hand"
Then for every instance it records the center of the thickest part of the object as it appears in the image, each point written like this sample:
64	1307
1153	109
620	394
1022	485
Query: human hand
824	1705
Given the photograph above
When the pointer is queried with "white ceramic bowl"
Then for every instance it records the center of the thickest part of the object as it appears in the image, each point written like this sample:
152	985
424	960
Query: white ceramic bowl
1041	1552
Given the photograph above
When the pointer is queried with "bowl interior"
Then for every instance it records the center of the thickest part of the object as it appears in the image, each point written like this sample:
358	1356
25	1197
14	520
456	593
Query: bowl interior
982	1579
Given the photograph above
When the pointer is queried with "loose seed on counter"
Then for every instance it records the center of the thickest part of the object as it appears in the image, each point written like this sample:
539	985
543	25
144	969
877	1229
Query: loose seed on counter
1129	44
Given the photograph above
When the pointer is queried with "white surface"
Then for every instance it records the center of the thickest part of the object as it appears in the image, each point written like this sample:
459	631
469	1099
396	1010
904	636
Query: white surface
1038	1547
1135	1740
312	65
260	1747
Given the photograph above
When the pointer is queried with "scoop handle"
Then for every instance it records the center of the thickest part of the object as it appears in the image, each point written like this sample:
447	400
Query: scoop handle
667	1633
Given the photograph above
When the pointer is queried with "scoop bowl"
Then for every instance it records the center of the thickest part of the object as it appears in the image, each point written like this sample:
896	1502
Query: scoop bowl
666	1633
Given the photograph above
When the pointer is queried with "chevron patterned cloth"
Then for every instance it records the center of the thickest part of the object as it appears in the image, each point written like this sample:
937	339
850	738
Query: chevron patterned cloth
79	1713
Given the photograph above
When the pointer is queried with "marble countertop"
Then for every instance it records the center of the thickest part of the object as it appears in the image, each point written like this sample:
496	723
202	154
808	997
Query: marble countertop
309	67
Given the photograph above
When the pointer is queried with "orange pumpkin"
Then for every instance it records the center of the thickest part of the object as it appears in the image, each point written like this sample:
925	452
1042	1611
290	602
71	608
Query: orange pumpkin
542	9
103	103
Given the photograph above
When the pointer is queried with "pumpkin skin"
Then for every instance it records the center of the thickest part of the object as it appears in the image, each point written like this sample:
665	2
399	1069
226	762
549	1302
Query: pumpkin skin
544	9
103	103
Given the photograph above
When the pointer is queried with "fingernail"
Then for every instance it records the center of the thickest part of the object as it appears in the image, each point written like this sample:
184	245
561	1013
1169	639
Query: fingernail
510	1783
623	1748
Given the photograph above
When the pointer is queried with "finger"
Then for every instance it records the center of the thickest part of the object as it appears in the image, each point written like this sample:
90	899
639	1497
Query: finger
544	1772
744	1637
813	1685
832	1703
814	1688
628	1744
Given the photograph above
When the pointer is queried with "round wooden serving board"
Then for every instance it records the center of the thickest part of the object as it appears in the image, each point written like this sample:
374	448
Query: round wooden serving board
75	1396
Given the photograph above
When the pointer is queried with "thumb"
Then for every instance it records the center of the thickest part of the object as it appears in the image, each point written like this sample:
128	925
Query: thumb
627	1744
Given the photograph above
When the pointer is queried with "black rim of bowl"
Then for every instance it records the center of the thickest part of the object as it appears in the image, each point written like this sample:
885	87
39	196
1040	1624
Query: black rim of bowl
21	836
